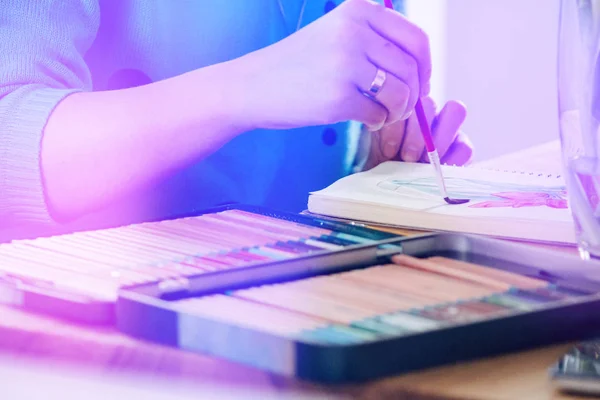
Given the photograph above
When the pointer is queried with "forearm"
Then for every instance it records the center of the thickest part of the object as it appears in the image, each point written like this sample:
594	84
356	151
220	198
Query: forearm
99	146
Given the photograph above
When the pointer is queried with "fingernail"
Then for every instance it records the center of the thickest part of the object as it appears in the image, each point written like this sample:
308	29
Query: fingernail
389	149
411	154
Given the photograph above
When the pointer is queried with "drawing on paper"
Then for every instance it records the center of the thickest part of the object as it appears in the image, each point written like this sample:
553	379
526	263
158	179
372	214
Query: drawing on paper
482	194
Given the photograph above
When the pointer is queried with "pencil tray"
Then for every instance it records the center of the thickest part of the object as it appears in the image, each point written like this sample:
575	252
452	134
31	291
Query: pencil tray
269	318
77	276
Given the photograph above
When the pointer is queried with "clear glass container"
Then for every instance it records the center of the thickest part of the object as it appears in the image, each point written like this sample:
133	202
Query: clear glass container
579	116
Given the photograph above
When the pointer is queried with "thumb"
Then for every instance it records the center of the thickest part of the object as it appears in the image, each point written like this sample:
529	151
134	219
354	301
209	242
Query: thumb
390	138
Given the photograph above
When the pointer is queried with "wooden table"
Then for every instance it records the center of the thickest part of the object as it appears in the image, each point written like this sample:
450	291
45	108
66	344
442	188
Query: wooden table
513	376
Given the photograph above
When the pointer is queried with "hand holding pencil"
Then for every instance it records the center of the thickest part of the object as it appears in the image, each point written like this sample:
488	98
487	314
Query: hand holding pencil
412	149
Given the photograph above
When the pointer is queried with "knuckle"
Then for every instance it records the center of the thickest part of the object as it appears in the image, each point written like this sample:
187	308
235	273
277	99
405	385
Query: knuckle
402	96
424	52
398	104
388	49
354	33
422	41
364	5
412	100
427	73
361	9
374	8
388	46
345	34
337	31
411	65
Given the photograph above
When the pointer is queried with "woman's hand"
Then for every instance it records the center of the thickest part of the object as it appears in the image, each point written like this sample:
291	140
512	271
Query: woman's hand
320	74
403	141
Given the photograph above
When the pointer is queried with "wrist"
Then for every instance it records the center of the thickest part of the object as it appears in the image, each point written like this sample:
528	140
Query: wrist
252	97
213	96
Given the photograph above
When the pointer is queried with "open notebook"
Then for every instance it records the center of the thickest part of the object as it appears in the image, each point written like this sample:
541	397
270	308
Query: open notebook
515	205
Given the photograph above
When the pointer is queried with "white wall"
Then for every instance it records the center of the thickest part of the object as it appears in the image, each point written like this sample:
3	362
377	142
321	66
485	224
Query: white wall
499	58
431	16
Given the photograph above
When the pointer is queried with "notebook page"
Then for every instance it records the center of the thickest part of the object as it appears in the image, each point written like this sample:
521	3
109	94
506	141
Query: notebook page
493	194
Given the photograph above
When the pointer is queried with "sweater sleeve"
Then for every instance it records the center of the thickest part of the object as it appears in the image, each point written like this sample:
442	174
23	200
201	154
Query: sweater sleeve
42	43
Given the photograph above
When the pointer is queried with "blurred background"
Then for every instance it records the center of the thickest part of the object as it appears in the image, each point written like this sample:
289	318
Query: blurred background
499	58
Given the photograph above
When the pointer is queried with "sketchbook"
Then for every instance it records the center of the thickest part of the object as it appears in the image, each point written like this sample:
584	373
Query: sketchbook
506	204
